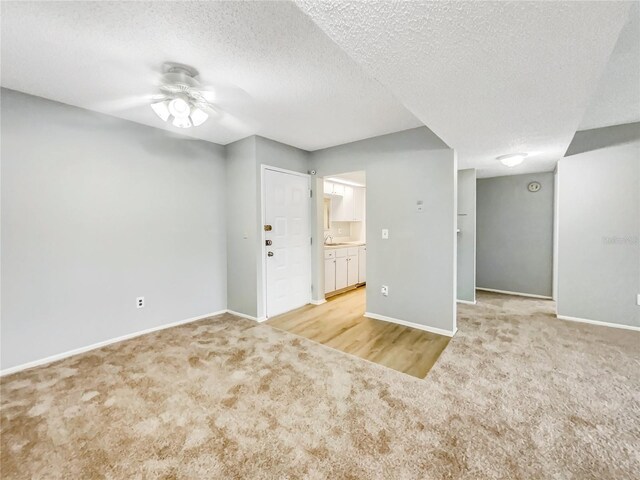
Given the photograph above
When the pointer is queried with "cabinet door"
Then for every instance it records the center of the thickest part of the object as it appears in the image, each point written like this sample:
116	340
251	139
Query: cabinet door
358	204
329	275
362	264
347	204
341	272
352	270
337	210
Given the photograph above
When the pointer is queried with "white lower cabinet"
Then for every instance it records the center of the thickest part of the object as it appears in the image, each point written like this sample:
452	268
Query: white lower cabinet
362	264
329	274
352	266
342	268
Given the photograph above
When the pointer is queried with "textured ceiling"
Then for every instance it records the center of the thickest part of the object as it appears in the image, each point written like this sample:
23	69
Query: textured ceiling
489	78
299	87
617	99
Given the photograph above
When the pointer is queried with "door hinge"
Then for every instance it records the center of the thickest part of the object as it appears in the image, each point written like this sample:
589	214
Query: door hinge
310	193
311	240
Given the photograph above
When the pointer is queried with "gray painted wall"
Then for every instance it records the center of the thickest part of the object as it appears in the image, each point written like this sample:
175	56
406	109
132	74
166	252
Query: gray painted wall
598	232
515	234
417	262
244	217
97	211
242	227
467	236
598	138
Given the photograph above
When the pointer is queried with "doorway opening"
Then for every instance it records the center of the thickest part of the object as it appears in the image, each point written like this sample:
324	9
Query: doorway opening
344	233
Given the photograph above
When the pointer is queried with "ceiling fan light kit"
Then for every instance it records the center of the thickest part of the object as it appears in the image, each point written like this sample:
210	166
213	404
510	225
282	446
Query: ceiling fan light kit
183	98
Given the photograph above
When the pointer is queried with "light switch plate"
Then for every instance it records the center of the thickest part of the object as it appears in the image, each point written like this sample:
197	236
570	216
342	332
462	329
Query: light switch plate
385	233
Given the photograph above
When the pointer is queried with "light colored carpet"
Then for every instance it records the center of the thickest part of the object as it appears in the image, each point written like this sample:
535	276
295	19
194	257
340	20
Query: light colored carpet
516	394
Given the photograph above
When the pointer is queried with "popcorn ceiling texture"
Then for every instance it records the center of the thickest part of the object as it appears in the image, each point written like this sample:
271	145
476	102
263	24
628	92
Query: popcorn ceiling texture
517	394
489	78
617	99
301	89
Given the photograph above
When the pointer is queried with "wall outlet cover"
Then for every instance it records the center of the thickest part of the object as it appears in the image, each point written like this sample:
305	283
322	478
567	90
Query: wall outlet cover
140	302
384	290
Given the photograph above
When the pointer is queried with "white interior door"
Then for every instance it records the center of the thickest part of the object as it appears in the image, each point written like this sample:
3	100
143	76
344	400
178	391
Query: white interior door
288	257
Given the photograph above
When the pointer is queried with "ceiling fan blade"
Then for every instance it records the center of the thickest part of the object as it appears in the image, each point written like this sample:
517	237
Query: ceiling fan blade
226	94
126	103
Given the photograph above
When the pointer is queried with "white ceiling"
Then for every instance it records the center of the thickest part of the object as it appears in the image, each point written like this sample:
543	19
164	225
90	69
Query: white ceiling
617	99
490	78
301	89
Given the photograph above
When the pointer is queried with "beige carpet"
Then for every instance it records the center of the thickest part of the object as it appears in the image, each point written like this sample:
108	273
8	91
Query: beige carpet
516	394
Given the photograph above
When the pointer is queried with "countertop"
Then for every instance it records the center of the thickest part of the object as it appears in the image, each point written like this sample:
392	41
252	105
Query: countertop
344	245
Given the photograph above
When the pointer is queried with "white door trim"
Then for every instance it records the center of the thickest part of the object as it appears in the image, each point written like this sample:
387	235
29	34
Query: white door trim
263	205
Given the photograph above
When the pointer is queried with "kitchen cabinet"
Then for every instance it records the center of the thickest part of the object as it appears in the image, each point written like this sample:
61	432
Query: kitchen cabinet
329	271
342	268
331	188
352	266
341	272
358	204
362	264
348	207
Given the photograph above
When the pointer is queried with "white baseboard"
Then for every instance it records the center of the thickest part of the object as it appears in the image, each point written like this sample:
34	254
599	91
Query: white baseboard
318	302
70	353
596	322
467	302
519	294
248	317
418	326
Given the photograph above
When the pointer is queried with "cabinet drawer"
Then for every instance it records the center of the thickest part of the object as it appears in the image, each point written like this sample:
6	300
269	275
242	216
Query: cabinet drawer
353	251
341	252
329	254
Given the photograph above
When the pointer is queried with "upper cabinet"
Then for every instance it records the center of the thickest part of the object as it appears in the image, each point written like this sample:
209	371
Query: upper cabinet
358	204
331	188
347	202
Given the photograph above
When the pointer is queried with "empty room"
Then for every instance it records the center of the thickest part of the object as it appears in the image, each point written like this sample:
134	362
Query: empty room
320	239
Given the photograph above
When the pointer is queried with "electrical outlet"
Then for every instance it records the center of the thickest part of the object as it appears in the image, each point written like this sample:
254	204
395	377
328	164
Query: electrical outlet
384	290
140	302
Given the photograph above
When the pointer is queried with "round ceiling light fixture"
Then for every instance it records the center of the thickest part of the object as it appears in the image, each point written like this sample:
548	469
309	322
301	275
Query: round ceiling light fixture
512	159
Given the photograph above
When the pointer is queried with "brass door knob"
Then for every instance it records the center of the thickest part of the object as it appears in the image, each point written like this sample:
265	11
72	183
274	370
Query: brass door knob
269	254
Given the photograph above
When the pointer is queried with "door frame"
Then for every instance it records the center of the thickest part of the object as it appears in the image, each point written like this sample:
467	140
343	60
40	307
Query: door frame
261	247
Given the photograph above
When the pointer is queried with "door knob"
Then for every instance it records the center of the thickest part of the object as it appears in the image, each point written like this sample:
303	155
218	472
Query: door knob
268	228
269	254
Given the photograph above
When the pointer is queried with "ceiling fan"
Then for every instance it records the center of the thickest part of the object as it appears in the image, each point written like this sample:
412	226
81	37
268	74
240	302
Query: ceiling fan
182	97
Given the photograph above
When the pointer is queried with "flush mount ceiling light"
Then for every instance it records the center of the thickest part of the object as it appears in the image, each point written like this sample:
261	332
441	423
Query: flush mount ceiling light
183	99
512	159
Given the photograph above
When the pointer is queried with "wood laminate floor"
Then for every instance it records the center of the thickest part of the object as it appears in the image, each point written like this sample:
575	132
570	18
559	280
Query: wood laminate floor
340	324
